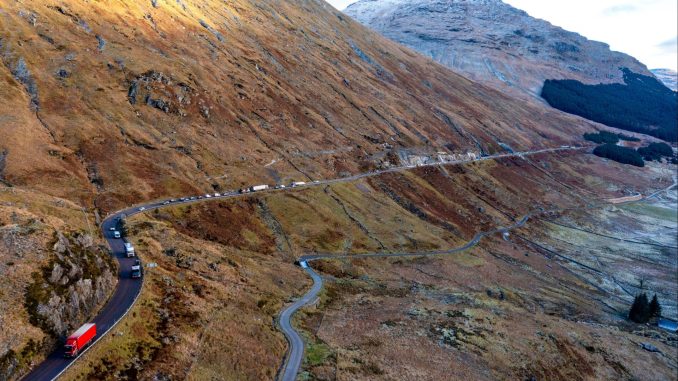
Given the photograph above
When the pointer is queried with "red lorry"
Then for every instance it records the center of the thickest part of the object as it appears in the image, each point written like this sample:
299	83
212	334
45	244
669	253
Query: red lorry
79	339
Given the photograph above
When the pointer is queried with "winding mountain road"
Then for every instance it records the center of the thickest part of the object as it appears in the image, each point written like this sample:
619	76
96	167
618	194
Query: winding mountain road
295	354
128	290
116	308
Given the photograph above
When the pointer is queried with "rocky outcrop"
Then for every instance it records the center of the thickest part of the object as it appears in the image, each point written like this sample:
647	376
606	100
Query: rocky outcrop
162	92
19	69
67	291
72	277
494	43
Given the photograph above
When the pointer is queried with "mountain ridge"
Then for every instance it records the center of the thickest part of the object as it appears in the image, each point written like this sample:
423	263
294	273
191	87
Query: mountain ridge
494	43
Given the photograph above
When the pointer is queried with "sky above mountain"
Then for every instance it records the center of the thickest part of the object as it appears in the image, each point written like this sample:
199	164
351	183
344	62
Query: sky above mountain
645	29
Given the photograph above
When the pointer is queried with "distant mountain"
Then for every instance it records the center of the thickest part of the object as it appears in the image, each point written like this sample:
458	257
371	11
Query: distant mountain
494	43
668	77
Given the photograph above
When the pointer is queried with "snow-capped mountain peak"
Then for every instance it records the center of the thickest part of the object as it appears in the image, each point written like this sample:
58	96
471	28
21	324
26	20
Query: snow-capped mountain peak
494	43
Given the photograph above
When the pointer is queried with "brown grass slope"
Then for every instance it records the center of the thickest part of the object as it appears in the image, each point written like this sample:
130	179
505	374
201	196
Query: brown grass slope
109	103
112	102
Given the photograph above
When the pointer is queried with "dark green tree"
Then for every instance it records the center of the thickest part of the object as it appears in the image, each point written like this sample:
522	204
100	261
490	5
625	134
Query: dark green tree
640	309
619	154
122	227
655	151
655	308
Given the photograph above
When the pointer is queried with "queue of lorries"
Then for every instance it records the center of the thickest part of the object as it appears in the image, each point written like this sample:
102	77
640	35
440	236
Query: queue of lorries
136	270
86	334
257	188
254	188
129	253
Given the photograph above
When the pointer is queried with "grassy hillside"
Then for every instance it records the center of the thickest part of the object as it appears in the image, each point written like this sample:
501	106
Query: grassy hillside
121	101
110	103
106	104
210	305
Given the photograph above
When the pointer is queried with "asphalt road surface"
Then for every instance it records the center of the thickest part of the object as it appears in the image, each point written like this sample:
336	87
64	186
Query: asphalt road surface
128	289
122	299
295	354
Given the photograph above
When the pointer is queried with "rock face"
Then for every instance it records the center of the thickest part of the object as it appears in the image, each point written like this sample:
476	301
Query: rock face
668	77
53	278
494	43
78	279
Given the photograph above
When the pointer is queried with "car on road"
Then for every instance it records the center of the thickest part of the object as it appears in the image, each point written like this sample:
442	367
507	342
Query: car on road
112	228
208	196
136	269
116	234
217	195
166	203
142	208
193	198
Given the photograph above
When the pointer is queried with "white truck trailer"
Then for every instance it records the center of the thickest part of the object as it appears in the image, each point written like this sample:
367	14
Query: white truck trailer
129	250
257	188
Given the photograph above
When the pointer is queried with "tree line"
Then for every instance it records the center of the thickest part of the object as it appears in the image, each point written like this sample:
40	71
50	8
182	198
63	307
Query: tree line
608	137
642	104
619	154
610	150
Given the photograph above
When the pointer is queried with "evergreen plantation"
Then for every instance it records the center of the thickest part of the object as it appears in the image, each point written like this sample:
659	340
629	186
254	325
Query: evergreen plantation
642	105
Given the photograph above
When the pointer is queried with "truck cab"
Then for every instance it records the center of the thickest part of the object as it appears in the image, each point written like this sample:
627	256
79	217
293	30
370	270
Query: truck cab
70	349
